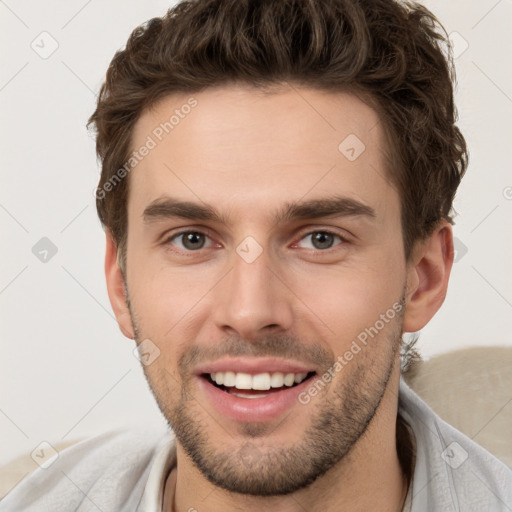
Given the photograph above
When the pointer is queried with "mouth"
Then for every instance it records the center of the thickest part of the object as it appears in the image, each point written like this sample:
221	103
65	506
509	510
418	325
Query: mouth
253	390
260	385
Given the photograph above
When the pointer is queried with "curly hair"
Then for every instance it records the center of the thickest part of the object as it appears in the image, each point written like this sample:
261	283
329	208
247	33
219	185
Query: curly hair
395	55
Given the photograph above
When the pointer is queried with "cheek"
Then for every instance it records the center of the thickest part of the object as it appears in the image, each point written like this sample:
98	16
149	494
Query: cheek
163	297
164	382
350	298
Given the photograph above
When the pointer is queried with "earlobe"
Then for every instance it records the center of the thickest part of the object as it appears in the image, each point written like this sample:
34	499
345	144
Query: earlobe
115	287
428	275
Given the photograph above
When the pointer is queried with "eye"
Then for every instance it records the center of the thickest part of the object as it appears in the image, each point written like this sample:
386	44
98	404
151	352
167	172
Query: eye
322	239
190	240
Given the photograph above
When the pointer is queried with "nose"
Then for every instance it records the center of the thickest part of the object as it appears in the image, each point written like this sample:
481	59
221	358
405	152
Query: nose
253	298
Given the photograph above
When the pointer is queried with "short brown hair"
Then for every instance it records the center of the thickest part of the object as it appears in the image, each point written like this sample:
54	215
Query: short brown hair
394	54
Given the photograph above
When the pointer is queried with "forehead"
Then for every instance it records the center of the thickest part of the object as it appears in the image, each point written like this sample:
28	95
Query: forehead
243	149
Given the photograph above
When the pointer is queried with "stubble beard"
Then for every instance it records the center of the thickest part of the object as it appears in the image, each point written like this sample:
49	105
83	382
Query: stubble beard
341	416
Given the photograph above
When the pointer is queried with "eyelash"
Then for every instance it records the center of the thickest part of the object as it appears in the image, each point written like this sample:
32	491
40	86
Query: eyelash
343	240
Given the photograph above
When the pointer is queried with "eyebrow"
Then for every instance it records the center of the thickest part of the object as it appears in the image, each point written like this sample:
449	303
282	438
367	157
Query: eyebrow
339	206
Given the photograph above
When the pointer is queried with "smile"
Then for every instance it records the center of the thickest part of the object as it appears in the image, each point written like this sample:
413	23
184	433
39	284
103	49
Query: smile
233	382
251	389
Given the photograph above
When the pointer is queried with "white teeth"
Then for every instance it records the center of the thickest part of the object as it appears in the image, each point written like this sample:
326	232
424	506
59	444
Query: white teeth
289	379
242	381
245	395
277	380
229	379
260	381
299	377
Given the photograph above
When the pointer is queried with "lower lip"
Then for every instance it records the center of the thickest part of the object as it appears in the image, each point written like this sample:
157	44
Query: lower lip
254	410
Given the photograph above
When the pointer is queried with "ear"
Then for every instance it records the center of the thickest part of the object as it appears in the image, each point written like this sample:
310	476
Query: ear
427	277
115	288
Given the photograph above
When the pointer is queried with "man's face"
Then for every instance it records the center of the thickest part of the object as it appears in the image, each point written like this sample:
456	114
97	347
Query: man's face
254	295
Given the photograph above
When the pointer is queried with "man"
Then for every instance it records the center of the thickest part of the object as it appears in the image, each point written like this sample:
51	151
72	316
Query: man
277	180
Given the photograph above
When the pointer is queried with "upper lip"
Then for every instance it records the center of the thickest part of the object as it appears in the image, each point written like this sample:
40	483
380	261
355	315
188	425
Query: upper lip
253	366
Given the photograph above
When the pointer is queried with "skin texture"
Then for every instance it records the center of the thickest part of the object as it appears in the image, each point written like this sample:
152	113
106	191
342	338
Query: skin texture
248	154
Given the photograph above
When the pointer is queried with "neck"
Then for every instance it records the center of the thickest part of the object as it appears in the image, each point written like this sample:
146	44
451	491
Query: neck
370	477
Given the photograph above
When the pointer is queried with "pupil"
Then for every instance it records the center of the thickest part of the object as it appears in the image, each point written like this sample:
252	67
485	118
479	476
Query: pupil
193	238
320	240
